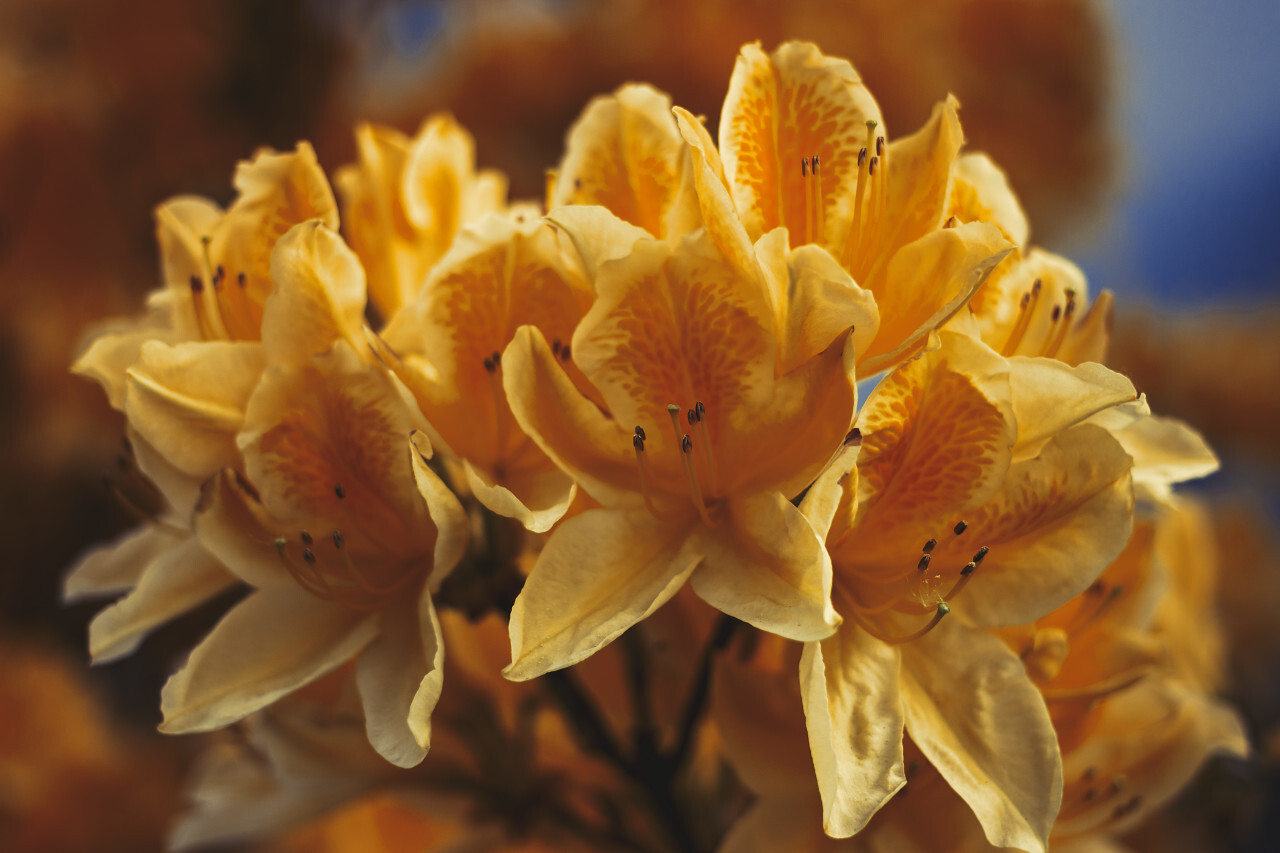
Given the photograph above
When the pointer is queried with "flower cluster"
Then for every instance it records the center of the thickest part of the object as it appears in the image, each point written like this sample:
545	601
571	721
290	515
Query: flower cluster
615	414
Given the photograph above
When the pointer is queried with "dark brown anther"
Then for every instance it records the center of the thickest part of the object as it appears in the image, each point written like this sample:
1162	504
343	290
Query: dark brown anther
692	417
338	539
1026	300
924	563
817	164
686	445
564	353
879	146
700	409
555	346
242	279
218	275
862	157
489	366
306	538
853	438
871	167
968	568
339	491
981	554
497	358
640	432
1071	308
804	167
637	442
930	545
1057	312
577	183
1036	285
197	284
308	556
960	527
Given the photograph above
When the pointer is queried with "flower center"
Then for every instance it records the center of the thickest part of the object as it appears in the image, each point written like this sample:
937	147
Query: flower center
689	461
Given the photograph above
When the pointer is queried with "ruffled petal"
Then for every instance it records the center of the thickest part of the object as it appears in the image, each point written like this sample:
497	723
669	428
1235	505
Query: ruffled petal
849	683
1050	396
977	717
399	676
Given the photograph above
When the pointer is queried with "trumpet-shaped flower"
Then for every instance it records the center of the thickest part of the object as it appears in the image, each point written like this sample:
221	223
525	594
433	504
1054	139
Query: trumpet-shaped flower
405	200
977	490
803	146
696	445
447	346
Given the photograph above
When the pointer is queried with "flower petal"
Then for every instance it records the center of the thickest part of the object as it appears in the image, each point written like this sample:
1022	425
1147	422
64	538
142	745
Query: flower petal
233	525
625	153
116	567
849	684
188	401
537	499
977	717
980	192
450	519
179	579
600	573
926	282
766	566
319	295
1050	396
1056	523
794	104
399	677
270	644
595	450
597	234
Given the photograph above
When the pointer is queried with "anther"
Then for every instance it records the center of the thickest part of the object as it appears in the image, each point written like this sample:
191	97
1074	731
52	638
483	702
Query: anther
981	554
218	275
686	445
1057	313
555	346
692	417
640	432
924	562
197	284
879	146
306	538
969	568
308	556
960	527
930	545
339	491
862	157
638	443
242	279
700	409
497	359
564	353
871	167
338	539
489	366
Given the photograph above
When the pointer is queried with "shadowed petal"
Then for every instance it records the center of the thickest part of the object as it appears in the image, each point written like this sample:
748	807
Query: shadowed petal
273	642
114	568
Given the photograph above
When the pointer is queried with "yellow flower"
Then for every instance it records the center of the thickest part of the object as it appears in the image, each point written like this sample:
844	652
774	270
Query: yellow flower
406	199
802	146
701	441
1034	303
976	475
625	153
185	404
447	345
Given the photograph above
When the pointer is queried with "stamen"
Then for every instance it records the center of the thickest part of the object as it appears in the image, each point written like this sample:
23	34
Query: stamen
966	574
699	413
808	200
637	441
306	538
940	611
555	346
853	242
818	227
1055	343
930	545
1027	309
685	443
339	491
564	353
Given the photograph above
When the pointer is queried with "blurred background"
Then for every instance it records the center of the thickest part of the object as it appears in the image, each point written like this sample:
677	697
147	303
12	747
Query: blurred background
1139	136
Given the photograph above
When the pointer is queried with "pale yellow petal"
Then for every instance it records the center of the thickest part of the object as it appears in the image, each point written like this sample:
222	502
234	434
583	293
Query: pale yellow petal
1165	451
188	400
814	300
233	525
926	283
765	565
452	528
114	348
1057	522
117	566
849	683
270	644
625	153
183	224
591	447
440	161
977	717
598	235
319	295
600	573
537	499
400	675
1050	396
980	192
176	581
